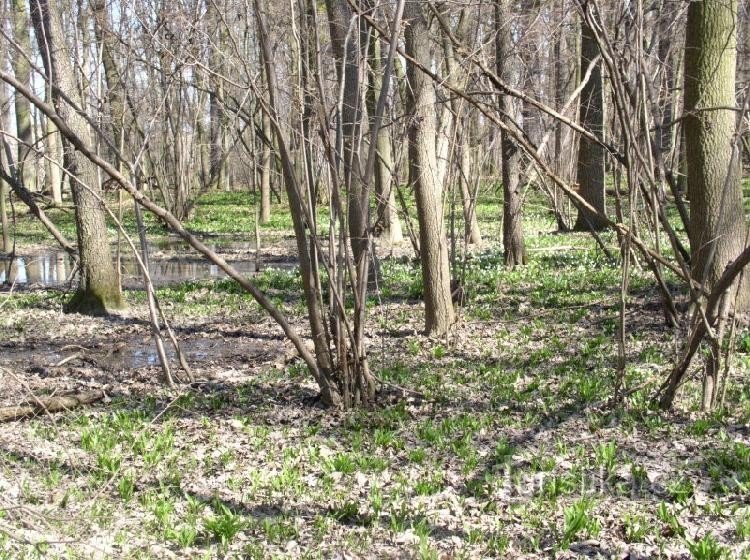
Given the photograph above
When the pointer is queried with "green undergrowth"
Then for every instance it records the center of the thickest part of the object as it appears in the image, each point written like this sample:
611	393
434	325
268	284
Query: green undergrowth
493	442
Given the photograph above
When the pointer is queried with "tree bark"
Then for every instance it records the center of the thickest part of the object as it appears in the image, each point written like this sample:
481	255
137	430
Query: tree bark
718	226
423	175
387	216
98	291
22	70
591	154
218	116
119	116
53	151
47	405
265	170
324	371
456	76
507	62
563	83
347	47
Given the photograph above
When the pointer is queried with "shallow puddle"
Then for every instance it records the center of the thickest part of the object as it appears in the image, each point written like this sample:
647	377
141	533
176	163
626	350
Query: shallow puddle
138	353
131	354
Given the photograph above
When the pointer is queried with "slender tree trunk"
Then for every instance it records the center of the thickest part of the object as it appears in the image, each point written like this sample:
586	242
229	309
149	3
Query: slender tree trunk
563	80
298	204
8	179
591	154
265	170
53	151
4	216
22	70
98	291
5	153
217	160
664	139
507	62
468	199
743	47
718	226
387	216
119	116
218	129
347	47
457	77
743	69
423	176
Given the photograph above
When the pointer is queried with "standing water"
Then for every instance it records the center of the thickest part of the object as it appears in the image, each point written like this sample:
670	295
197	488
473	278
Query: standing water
169	264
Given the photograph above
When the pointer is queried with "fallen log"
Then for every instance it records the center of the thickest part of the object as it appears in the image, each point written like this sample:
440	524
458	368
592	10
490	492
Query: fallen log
44	405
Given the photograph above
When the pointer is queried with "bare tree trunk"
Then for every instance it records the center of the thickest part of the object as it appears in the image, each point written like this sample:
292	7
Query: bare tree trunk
99	290
5	154
423	176
217	173
457	77
120	119
218	128
507	62
22	70
718	227
563	80
4	216
590	153
265	170
466	170
8	179
743	46
387	216
53	151
347	45
326	375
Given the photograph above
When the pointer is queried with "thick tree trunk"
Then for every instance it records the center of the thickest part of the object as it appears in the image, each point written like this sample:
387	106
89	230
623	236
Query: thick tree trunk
423	176
718	225
99	290
507	62
590	154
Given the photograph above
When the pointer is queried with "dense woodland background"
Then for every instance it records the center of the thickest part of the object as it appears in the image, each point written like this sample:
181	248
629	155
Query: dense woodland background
486	283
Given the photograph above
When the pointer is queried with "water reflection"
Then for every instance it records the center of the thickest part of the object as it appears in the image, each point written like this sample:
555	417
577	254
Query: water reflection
54	267
48	269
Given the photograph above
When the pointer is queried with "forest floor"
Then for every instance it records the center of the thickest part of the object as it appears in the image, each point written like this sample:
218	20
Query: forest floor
495	441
